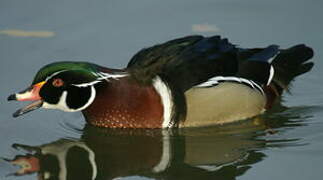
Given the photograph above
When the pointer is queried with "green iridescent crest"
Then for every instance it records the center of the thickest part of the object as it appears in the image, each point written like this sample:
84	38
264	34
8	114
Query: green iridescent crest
84	69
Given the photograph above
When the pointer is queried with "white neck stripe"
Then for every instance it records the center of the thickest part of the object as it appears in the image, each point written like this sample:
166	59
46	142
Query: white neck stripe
167	101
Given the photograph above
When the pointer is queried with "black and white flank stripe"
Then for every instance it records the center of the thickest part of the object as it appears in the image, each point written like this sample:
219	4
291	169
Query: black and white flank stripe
220	79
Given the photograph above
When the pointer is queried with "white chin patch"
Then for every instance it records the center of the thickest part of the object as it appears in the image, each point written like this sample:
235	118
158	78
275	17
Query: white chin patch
61	105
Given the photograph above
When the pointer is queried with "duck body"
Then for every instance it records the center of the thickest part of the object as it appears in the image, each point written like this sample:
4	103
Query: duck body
188	82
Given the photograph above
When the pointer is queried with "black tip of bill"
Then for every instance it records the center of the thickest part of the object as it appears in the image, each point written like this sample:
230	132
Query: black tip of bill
12	97
17	113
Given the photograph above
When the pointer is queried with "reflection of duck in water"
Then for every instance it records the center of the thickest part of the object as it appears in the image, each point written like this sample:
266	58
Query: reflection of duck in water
159	154
187	82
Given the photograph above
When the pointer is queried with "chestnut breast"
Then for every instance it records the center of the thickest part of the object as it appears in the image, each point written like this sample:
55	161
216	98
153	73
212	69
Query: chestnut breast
124	103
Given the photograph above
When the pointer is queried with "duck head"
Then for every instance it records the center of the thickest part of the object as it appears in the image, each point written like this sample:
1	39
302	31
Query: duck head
67	86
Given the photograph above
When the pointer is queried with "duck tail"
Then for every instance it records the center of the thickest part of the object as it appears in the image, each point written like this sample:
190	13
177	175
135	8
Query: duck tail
257	67
290	63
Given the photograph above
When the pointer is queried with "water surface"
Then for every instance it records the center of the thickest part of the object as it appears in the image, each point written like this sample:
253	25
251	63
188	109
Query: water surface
283	144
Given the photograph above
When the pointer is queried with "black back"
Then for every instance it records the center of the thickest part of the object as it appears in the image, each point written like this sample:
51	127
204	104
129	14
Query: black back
191	60
186	61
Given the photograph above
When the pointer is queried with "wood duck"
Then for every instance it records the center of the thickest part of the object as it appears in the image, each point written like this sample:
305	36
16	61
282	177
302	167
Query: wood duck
192	81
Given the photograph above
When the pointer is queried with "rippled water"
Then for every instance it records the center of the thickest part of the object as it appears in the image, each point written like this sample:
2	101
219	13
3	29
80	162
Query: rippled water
283	144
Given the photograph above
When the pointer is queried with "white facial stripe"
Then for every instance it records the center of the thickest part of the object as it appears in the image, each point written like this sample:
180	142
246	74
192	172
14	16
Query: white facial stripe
101	76
62	101
54	74
87	84
167	101
61	105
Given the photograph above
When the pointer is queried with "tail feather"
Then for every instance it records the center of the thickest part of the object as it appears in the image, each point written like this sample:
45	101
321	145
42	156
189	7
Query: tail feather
290	63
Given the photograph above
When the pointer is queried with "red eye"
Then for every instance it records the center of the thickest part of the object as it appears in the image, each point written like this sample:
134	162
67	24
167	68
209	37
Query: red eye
58	82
